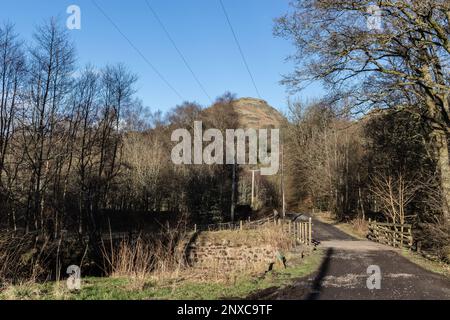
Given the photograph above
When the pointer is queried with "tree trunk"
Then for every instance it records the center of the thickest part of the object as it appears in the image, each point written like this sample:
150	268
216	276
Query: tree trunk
444	169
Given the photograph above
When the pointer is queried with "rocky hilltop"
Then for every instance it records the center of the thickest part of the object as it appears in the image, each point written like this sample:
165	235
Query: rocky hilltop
256	113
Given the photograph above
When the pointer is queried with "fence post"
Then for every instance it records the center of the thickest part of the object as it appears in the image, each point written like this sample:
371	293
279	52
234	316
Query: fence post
195	227
410	238
303	231
310	232
300	232
401	237
240	224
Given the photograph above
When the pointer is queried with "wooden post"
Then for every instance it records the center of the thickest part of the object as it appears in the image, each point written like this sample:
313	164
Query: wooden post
401	237
289	227
282	179
253	187
392	238
410	239
240	224
310	232
395	236
303	232
195	227
300	232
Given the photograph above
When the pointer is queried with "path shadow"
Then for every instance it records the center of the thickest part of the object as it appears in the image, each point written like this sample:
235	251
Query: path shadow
316	287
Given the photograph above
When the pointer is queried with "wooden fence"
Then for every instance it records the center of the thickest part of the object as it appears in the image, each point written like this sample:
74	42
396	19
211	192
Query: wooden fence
239	225
392	234
300	231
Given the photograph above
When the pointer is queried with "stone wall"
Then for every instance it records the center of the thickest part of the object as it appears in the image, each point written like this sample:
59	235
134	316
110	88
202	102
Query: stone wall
228	256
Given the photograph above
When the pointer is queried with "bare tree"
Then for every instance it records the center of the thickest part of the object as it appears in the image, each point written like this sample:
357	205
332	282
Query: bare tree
324	159
12	70
116	91
393	194
403	66
51	65
145	159
84	115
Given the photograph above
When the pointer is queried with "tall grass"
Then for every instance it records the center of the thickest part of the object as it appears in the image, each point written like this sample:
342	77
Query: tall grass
129	259
146	255
25	258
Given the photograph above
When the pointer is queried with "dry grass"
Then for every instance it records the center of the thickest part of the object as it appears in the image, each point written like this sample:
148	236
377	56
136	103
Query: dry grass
360	226
25	258
132	259
145	258
163	261
266	234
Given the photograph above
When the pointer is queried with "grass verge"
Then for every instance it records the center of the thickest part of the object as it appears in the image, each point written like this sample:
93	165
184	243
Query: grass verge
430	265
128	289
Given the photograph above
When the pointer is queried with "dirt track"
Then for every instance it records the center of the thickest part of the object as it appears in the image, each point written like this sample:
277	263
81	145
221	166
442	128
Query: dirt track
343	273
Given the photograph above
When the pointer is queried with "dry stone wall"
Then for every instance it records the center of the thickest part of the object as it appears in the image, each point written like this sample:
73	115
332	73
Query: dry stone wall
228	256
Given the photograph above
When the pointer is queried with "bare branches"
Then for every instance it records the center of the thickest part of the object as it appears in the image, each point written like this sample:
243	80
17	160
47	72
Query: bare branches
335	45
394	194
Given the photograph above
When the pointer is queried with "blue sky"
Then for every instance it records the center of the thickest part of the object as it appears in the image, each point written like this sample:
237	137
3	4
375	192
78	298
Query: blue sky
200	31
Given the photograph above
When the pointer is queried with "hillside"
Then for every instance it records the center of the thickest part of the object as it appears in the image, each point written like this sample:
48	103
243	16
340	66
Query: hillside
256	113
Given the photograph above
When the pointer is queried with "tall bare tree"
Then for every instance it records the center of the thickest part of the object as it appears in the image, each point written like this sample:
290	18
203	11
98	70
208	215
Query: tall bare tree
51	65
12	71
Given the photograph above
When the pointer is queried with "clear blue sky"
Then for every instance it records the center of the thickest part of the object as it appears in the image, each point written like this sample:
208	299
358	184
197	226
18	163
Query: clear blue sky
199	29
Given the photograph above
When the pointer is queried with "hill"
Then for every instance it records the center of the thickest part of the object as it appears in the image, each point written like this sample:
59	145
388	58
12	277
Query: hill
255	113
